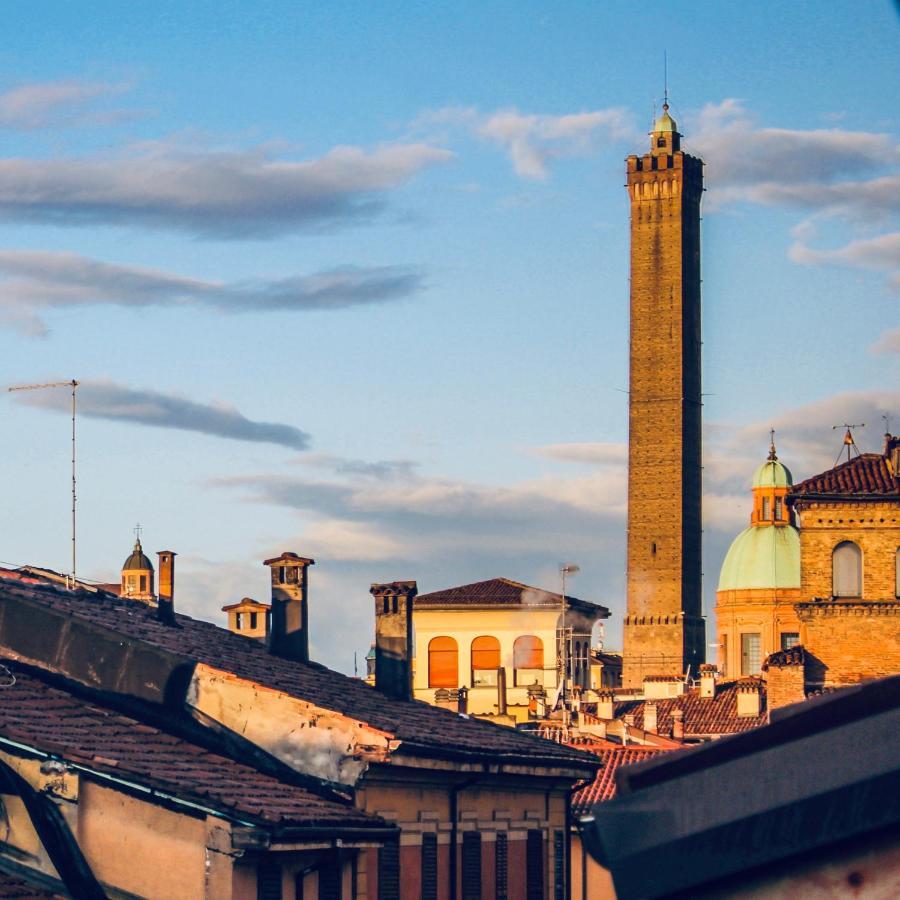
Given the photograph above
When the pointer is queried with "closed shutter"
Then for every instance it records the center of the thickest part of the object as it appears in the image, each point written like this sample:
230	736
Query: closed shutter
429	867
559	866
534	866
443	663
389	871
268	881
501	868
471	866
330	878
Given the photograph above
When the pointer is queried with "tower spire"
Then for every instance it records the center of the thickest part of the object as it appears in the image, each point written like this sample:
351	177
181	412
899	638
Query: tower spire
772	454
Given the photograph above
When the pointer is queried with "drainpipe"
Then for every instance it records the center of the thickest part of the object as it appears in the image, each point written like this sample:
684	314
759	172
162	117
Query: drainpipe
454	830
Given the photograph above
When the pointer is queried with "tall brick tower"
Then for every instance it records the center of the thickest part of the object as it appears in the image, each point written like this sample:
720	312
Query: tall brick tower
664	630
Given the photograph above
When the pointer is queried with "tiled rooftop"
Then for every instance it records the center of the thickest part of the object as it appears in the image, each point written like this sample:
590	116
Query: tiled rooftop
603	787
795	656
500	592
415	723
49	718
866	475
702	715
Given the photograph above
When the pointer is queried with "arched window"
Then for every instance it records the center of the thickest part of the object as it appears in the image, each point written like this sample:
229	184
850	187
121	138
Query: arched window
443	663
485	661
846	570
528	660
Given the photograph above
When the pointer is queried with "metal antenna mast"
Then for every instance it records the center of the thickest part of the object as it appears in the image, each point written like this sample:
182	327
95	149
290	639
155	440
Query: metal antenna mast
73	384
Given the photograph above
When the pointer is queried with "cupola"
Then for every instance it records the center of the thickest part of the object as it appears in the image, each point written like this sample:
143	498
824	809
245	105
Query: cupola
665	137
137	575
771	483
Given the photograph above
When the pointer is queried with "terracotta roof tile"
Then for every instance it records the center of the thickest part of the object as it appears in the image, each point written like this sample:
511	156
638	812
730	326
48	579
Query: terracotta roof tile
603	787
866	475
500	592
795	656
82	732
414	722
703	716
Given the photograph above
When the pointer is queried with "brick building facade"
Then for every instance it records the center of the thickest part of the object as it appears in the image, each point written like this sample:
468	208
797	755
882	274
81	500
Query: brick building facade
664	631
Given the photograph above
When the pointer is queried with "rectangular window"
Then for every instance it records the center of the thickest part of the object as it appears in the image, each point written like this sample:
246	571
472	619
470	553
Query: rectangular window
534	866
143	584
527	677
238	621
789	639
559	866
253	620
429	866
471	866
765	509
750	654
779	508
501	864
268	881
484	678
389	871
330	878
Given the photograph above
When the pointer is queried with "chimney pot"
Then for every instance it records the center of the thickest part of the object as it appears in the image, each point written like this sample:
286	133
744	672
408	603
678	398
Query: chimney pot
650	723
289	627
165	604
394	637
708	673
678	724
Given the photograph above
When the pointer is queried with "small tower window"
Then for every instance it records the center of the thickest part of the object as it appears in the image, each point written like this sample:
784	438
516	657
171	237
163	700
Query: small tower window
779	508
395	600
143	584
766	509
238	621
660	142
846	568
253	620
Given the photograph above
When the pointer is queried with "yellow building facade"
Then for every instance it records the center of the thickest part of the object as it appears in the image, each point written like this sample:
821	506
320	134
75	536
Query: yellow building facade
491	647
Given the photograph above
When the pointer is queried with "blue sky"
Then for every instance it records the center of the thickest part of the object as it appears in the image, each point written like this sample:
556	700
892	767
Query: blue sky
352	279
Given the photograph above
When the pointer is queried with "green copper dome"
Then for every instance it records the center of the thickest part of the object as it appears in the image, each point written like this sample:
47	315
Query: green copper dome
137	560
665	122
772	473
765	556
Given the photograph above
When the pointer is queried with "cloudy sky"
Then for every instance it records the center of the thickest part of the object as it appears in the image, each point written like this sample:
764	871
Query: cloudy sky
351	280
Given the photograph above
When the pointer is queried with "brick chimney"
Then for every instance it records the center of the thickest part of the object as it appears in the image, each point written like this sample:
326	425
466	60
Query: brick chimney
678	724
708	674
785	674
393	637
749	698
289	629
165	605
650	723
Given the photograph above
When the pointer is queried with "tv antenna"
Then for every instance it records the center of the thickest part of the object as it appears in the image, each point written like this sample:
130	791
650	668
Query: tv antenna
73	384
886	418
849	443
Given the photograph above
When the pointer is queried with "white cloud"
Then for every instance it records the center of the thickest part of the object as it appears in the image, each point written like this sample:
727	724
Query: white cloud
831	170
888	343
212	194
534	141
56	103
119	403
881	253
599	454
35	280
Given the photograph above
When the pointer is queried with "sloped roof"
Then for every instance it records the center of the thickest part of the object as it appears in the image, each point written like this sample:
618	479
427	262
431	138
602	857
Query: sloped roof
702	715
603	787
867	475
501	592
418	725
47	717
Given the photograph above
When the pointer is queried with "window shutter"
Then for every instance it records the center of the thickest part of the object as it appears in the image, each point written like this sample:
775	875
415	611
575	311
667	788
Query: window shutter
471	866
486	653
389	871
429	866
443	663
268	881
501	868
534	866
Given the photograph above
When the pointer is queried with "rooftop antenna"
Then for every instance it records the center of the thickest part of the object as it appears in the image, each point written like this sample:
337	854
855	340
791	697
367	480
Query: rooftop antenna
886	418
849	443
73	384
